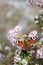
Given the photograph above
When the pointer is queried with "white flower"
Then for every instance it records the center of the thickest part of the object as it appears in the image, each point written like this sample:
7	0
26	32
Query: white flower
41	40
36	21
17	58
33	33
36	17
10	34
39	2
24	62
39	53
42	33
7	48
18	28
1	56
30	35
13	40
13	34
36	2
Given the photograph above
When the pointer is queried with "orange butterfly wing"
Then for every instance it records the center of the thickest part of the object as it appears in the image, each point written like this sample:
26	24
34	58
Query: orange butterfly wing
31	41
20	43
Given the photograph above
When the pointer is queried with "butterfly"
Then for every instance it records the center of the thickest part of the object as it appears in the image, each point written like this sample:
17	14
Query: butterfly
26	44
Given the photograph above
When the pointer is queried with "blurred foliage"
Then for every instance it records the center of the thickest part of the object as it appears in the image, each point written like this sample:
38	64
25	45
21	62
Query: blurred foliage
19	63
40	19
41	14
25	55
1	63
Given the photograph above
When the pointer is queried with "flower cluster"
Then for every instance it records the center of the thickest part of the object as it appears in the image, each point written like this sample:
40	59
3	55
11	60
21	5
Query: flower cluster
41	40
24	62
14	34
40	52
36	2
33	34
39	19
18	59
1	56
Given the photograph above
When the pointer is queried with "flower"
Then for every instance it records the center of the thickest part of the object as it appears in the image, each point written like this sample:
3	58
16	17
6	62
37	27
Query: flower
36	2
10	34
1	56
14	34
42	33
17	58
36	17
41	40
40	52
33	33
18	28
24	62
7	48
36	21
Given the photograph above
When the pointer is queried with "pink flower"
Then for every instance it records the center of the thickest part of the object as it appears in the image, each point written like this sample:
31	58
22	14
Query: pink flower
10	34
41	40
39	53
18	28
36	2
33	33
